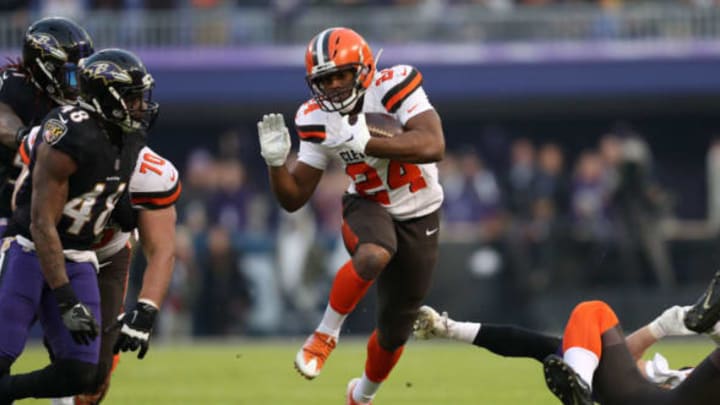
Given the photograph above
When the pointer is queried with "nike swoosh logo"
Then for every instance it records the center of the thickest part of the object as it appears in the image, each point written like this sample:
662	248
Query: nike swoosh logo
411	109
708	293
431	232
63	120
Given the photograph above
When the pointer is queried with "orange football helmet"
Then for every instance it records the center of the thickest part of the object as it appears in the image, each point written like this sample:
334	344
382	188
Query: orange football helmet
333	51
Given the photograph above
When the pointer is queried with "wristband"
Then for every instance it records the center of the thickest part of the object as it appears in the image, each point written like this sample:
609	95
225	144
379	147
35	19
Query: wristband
65	296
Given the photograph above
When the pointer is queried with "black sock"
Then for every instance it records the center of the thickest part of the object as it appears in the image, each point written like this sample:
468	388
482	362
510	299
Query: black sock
60	379
514	341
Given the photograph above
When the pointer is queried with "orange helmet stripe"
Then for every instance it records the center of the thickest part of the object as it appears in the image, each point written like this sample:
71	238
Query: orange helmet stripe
320	47
395	97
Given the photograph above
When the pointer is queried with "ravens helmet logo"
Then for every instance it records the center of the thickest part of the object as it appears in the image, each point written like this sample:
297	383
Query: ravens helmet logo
108	72
47	45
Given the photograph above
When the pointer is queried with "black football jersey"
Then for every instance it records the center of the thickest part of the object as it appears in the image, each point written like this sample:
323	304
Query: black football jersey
31	106
105	158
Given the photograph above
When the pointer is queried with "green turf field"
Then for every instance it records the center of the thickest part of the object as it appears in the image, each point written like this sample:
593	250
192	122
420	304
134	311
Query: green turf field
257	372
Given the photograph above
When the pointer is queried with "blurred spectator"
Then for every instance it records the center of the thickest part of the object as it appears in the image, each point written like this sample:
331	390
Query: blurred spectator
713	184
590	198
223	299
175	319
640	203
472	205
230	202
551	191
520	178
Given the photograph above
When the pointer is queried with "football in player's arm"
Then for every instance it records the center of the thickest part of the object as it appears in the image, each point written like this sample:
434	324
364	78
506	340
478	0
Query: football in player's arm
390	213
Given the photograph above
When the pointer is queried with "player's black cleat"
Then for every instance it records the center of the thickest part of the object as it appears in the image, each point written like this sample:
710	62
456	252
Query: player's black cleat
706	311
562	380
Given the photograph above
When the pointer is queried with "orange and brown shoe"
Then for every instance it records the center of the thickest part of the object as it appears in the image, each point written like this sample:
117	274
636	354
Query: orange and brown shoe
311	357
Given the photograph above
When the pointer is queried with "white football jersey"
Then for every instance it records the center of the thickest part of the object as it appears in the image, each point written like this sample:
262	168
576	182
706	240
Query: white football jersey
154	184
406	190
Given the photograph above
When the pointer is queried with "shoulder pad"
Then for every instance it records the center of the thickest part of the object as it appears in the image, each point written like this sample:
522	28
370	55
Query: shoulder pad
310	122
396	84
65	119
71	130
155	182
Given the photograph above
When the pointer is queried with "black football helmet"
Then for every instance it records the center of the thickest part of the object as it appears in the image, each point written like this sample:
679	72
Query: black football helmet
115	84
51	50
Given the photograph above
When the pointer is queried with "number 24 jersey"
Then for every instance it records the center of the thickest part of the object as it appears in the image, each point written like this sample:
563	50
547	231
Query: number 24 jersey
406	190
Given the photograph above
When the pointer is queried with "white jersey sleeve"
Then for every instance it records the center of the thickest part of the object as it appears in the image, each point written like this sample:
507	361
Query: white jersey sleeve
155	183
310	128
400	92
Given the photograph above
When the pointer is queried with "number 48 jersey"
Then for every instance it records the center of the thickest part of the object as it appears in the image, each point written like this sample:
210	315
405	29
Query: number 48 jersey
104	162
406	190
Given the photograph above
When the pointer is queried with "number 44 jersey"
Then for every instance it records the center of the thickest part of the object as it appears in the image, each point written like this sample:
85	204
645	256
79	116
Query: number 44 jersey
105	159
406	190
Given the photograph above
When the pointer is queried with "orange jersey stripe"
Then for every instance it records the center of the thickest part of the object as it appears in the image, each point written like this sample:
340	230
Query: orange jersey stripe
24	155
399	97
312	135
159	201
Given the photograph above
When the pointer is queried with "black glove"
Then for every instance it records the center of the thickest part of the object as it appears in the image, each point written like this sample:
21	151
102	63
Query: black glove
76	316
135	328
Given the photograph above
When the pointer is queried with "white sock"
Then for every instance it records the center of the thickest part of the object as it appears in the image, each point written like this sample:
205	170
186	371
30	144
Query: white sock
463	331
365	390
583	361
331	322
63	401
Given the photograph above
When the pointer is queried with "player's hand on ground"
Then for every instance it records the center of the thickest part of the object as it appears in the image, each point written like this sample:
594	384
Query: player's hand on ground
354	133
76	317
135	328
670	323
274	139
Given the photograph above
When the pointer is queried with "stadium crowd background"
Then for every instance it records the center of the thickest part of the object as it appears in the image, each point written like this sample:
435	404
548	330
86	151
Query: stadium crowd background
582	159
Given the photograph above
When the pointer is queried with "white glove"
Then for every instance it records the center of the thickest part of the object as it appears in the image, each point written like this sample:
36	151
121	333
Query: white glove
274	139
354	136
670	323
658	371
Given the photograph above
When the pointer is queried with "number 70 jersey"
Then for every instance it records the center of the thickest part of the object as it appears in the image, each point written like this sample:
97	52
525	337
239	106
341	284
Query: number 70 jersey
406	190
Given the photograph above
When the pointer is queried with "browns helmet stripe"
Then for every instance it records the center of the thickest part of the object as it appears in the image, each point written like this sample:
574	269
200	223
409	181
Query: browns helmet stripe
395	97
312	133
320	48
